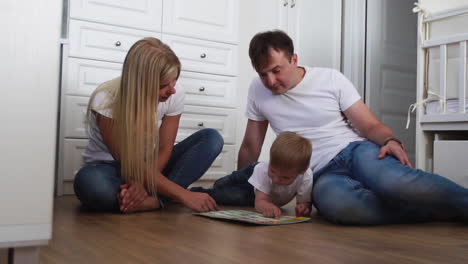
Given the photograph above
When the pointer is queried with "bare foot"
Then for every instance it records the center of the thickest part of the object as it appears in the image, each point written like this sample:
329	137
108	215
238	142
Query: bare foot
150	203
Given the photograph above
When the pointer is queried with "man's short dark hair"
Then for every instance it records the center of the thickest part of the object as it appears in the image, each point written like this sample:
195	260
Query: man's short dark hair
259	47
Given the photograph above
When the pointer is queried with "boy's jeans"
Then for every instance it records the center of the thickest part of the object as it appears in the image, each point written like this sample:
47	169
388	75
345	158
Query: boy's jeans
358	188
233	189
97	185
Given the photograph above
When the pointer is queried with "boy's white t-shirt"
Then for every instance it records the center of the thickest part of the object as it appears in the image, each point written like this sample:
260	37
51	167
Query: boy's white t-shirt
280	195
96	150
312	109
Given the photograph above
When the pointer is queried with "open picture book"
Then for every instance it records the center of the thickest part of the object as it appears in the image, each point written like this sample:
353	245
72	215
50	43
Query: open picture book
253	217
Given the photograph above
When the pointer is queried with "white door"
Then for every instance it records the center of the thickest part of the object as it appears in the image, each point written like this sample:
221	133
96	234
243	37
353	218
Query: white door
391	65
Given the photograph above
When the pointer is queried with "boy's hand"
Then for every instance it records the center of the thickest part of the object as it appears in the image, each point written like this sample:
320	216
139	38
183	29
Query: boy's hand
303	209
271	210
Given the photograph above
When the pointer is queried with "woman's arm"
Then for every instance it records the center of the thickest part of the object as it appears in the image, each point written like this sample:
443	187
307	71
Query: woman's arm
167	136
106	125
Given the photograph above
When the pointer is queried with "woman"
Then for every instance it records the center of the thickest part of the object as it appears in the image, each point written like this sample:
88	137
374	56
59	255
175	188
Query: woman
133	122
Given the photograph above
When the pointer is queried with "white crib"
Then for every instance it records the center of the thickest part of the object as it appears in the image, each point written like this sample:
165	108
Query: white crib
442	112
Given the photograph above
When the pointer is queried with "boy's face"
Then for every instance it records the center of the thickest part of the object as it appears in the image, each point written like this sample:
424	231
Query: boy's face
279	75
282	176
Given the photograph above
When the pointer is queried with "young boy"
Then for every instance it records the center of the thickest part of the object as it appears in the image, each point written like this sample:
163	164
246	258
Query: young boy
271	185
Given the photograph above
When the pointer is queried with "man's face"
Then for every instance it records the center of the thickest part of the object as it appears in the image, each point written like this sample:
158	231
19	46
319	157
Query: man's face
280	74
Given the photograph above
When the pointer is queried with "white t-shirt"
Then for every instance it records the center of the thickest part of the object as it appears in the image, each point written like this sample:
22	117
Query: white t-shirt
96	150
282	194
312	109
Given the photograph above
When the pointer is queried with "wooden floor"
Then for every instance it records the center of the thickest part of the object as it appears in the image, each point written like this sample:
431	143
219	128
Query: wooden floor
174	235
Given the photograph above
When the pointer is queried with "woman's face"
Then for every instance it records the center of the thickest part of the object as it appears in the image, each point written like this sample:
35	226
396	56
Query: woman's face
167	88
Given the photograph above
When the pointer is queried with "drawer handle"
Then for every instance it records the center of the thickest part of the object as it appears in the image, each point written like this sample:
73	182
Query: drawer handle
285	2
293	3
203	55
117	44
201	124
201	89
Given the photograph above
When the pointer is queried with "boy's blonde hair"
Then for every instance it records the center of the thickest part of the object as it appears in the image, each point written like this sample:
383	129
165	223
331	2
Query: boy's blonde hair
291	150
134	107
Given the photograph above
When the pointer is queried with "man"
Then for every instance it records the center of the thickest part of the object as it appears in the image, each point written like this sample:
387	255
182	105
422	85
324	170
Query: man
362	172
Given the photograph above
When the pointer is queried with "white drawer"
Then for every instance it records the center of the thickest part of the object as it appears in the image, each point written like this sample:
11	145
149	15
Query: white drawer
204	56
140	14
103	42
74	117
208	89
450	160
72	160
215	20
195	118
223	165
83	76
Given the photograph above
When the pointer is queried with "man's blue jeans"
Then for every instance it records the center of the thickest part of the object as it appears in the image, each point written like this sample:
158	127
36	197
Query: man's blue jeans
357	188
97	185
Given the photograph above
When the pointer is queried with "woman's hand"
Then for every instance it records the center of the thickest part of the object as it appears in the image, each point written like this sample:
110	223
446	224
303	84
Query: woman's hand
199	202
131	196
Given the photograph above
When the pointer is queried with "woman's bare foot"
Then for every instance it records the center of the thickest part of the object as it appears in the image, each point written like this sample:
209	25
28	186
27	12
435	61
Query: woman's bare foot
150	203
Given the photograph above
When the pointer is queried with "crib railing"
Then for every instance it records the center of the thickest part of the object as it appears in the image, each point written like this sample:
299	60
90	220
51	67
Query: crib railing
442	43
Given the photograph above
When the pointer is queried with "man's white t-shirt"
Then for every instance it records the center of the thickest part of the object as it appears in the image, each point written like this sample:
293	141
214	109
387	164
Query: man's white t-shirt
96	150
312	109
282	194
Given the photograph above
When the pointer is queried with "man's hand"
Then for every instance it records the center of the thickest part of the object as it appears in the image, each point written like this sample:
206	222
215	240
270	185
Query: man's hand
303	209
199	202
395	149
131	195
271	210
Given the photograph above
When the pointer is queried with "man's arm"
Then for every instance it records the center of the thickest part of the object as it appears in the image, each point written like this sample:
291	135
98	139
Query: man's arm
370	127
252	143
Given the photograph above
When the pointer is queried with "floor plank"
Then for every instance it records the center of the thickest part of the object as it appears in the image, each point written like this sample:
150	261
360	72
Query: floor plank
174	235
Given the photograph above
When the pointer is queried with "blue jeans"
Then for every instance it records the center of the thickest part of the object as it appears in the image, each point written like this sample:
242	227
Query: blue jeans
97	185
233	189
357	188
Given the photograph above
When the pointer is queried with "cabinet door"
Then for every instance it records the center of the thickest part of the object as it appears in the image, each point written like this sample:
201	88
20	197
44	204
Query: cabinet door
195	118
103	42
215	20
74	116
208	89
204	56
139	14
83	76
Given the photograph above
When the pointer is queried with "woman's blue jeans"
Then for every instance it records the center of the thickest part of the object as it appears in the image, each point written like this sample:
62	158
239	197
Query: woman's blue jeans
357	188
97	185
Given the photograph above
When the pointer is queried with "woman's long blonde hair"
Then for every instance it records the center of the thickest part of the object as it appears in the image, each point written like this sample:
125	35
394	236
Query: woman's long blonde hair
134	108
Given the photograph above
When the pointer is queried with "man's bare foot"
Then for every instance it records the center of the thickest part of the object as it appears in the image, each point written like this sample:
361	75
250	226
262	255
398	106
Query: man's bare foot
150	203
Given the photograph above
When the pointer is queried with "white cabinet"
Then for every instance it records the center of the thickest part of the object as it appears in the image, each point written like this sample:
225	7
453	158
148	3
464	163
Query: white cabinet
215	20
204	56
313	25
140	14
203	34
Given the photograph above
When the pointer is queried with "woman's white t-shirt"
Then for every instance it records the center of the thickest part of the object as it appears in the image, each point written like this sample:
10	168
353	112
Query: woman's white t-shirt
280	195
96	150
312	109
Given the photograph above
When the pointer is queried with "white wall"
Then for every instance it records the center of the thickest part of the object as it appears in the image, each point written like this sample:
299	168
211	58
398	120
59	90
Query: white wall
29	74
